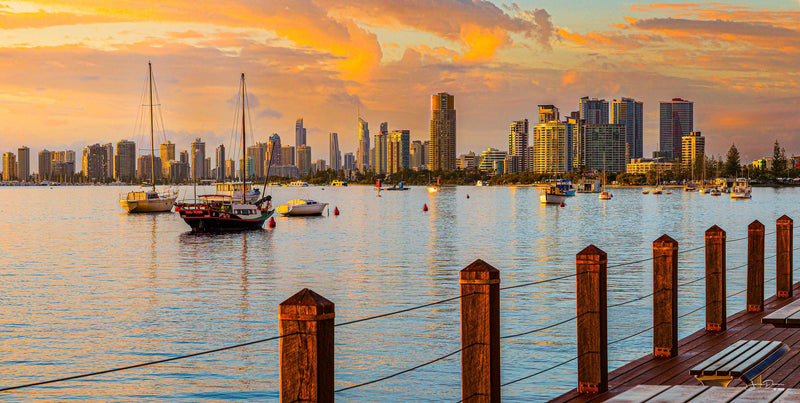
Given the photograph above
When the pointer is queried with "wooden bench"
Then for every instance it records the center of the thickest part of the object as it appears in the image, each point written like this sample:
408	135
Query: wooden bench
788	316
705	394
745	359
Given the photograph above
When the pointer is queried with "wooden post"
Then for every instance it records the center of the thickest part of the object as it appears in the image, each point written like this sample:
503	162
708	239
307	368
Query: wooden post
755	267
665	297
480	332
716	316
306	353
590	266
784	252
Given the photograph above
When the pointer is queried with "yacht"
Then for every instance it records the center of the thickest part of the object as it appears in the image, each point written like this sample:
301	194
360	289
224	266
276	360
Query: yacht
298	184
301	207
552	195
741	189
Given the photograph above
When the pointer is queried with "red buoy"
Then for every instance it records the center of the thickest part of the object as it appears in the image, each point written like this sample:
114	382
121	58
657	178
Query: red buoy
562	204
336	211
467	196
272	222
425	207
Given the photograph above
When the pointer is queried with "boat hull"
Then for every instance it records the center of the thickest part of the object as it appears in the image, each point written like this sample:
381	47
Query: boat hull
209	220
302	210
148	206
550	198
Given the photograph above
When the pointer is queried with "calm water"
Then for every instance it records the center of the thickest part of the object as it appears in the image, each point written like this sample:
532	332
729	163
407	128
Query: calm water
86	287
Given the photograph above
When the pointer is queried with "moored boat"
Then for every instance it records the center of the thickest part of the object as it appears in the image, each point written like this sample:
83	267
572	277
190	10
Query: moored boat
552	195
301	207
482	183
715	192
338	183
741	189
566	186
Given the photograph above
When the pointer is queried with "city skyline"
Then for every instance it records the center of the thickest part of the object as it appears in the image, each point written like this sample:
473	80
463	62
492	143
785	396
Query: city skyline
327	60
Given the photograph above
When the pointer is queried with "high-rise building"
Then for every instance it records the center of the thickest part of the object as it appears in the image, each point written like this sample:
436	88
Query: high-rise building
166	151
304	159
416	157
517	143
184	157
221	171
93	163
349	163
287	155
9	166
578	141
299	133
45	169
108	160
23	163
467	161
274	154
442	133
62	166
198	159
334	155
593	111
125	161
490	158
362	153
379	153
676	119
256	153
230	168
629	112
548	113
552	147
693	148
399	151
147	166
207	168
319	165
605	147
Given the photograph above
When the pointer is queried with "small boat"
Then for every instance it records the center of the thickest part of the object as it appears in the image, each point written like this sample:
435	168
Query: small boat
741	189
703	190
552	195
689	187
669	192
298	184
715	192
338	183
482	183
435	187
605	194
149	201
566	186
398	186
301	207
657	190
646	191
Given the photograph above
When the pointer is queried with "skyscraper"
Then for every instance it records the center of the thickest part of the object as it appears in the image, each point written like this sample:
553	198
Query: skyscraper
304	159
287	155
221	171
23	163
442	133
108	160
9	166
166	151
256	154
593	111
362	154
629	112
398	151
416	157
125	161
517	143
676	120
147	166
230	168
605	147
92	165
552	147
198	159
548	113
334	155
693	148
299	133
385	127
45	158
349	161
378	157
274	154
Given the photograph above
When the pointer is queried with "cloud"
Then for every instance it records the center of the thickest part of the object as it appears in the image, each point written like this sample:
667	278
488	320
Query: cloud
270	114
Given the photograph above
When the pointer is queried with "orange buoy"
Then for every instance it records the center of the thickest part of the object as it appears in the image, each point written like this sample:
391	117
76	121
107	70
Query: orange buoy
562	204
336	211
272	222
425	207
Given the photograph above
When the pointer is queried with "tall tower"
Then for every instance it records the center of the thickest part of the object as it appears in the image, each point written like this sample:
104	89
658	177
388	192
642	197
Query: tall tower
274	151
628	112
518	142
9	166
593	111
220	154
693	148
125	161
45	163
198	159
23	163
442	133
166	151
362	155
304	160
676	120
333	152
548	113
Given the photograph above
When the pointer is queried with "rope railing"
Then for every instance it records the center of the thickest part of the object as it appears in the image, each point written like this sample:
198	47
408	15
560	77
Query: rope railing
548	369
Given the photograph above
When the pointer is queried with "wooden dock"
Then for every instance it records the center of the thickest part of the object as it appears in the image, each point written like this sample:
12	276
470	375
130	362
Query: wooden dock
694	349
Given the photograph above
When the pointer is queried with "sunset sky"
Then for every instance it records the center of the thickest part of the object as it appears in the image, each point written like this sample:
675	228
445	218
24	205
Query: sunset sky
71	71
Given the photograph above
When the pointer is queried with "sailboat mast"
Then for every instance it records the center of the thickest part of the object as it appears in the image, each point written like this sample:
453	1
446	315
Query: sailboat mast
244	149
152	150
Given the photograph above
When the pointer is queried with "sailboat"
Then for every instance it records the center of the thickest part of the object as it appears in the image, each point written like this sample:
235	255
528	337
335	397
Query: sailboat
228	212
149	201
605	194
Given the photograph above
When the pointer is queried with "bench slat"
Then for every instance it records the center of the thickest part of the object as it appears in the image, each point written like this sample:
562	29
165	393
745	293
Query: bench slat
758	395
779	316
794	319
699	369
743	362
764	364
717	394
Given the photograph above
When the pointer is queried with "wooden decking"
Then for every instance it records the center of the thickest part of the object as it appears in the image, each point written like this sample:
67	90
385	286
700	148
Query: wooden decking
701	345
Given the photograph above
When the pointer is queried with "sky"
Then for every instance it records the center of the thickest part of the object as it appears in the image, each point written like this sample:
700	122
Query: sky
72	71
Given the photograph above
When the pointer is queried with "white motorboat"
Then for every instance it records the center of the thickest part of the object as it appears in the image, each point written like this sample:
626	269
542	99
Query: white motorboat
482	183
552	195
741	189
300	207
298	184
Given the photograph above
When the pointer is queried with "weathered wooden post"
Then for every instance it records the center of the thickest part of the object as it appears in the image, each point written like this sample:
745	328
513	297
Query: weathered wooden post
755	267
784	252
480	332
665	297
590	266
306	351
716	316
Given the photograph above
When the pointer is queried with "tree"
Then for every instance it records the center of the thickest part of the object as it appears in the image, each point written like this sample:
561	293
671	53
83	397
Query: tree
778	159
732	162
